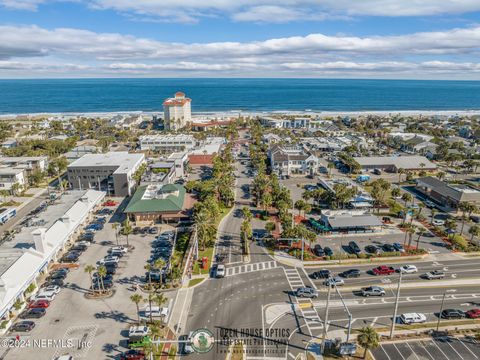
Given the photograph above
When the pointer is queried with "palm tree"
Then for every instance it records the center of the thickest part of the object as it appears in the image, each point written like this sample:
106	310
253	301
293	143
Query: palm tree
400	171
406	197
411	231
149	268
115	227
451	224
270	226
126	228
137	299
395	192
4	194
159	299
158	265
246	213
330	167
102	272
474	231
433	216
149	299
368	338
89	269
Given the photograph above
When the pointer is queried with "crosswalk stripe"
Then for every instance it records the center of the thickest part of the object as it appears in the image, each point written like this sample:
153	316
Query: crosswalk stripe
242	269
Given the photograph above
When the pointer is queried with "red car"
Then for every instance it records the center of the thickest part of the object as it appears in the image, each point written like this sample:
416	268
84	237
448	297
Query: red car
383	270
473	314
39	304
110	203
133	355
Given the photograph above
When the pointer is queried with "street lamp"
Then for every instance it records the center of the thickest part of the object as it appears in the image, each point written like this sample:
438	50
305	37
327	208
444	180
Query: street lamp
396	305
441	306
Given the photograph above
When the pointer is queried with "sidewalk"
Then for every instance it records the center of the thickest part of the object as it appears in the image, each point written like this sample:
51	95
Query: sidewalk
181	306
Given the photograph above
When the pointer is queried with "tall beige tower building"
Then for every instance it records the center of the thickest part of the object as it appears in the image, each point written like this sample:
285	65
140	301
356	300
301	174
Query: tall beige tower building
177	112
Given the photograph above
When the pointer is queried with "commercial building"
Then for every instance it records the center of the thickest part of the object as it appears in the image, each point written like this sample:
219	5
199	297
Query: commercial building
350	221
167	143
177	112
288	160
394	163
111	172
447	195
156	203
21	266
29	163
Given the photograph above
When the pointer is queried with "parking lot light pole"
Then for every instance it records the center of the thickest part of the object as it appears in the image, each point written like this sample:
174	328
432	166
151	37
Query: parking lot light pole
441	306
394	319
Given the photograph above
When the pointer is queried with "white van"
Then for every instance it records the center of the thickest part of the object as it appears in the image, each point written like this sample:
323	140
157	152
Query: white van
220	272
155	311
413	318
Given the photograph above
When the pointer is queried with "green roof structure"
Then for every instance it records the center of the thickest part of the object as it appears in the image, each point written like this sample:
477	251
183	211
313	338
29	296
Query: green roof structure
167	198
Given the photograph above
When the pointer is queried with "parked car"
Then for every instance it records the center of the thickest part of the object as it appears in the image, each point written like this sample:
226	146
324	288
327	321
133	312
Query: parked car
53	282
153	230
438	222
475	218
307	292
433	275
110	203
25	325
373	291
334	281
49	296
79	247
413	318
354	248
383	270
122	249
320	274
52	289
108	259
372	249
133	354
351	273
38	304
187	346
398	247
100	220
408	269
318	250
70	257
473	314
328	251
452	314
58	275
88	236
429	204
388	248
33	313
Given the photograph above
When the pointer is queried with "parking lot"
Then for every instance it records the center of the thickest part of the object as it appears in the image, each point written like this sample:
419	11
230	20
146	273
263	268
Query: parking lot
101	324
441	348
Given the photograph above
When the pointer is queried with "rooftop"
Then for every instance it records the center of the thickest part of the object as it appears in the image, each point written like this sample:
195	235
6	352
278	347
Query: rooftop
404	162
157	198
124	160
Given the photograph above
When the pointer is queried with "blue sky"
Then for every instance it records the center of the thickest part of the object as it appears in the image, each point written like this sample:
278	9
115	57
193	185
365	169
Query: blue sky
424	39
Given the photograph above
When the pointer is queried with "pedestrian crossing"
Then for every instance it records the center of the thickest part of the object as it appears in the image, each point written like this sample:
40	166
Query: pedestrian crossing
248	268
305	306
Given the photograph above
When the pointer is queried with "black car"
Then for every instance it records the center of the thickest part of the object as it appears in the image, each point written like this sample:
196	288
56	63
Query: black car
372	249
318	250
33	313
88	236
354	248
452	314
58	275
53	282
25	325
328	251
70	257
351	273
136	230
79	247
388	248
153	230
320	274
100	220
111	270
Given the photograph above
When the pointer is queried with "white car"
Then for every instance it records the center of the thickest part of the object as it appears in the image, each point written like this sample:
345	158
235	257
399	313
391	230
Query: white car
139	331
408	269
413	318
220	272
187	347
438	222
122	249
83	242
49	296
51	289
337	281
109	259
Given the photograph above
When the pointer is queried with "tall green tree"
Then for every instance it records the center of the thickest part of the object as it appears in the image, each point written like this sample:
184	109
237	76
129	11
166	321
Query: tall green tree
368	338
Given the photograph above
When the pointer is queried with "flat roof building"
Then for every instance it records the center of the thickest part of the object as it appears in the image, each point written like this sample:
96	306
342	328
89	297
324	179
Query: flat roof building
167	142
111	172
447	195
393	163
350	221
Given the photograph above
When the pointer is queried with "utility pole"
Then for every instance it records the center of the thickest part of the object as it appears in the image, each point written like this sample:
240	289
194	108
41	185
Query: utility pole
303	247
394	319
441	306
326	318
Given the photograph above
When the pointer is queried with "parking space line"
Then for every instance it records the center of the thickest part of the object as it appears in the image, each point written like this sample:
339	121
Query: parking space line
434	342
388	357
466	347
395	346
413	352
425	348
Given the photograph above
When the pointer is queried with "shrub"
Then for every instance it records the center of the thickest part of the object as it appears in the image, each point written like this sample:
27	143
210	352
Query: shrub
30	288
459	242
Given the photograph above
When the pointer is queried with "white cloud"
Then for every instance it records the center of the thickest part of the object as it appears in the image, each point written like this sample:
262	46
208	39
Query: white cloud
31	5
37	49
286	10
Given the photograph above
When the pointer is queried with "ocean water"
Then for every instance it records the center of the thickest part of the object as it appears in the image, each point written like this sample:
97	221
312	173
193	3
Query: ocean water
108	95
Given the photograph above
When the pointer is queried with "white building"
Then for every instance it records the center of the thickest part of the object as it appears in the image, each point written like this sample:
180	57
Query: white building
21	267
177	112
111	172
173	143
288	160
11	176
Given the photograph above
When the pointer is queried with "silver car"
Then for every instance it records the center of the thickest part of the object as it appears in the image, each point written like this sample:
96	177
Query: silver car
373	291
